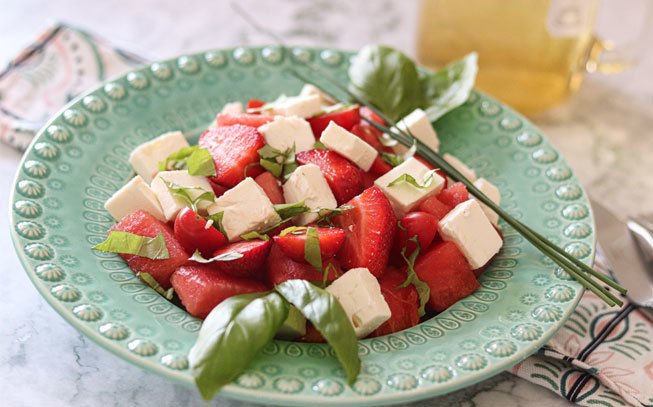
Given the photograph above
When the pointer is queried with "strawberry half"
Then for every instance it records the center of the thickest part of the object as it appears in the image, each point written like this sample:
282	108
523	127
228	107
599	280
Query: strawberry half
369	229
344	178
280	268
250	265
292	244
271	186
253	120
233	148
403	303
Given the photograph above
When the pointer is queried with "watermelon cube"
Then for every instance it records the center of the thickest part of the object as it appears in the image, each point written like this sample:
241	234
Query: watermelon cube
403	303
449	276
143	224
201	288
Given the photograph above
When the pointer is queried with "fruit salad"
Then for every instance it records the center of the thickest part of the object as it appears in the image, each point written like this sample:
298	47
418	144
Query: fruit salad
302	188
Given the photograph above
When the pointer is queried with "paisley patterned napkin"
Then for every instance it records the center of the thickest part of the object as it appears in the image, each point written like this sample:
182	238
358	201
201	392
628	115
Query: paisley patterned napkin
601	357
62	63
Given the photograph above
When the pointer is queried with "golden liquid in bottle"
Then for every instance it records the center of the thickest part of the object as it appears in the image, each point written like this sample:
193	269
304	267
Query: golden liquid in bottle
521	61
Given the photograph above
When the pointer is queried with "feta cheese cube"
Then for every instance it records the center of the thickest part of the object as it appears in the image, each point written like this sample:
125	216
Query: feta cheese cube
404	196
455	162
359	293
172	204
492	192
468	227
309	90
307	184
418	124
134	195
146	157
284	132
246	208
349	146
233	108
302	106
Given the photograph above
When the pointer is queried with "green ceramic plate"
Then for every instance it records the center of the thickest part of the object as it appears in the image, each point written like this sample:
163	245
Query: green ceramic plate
80	158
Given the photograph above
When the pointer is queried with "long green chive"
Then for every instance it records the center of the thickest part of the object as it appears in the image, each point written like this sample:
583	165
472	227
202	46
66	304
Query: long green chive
576	268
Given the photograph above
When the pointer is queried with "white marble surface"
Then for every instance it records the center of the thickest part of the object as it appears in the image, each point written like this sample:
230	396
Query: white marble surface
605	133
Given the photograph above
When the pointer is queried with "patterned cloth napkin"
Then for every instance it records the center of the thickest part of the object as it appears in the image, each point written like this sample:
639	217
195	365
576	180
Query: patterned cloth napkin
601	356
59	65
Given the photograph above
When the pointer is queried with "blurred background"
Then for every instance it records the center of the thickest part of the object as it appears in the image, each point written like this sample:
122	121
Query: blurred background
534	54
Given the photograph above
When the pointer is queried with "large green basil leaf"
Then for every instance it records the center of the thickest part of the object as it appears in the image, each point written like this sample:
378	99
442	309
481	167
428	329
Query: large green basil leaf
449	87
232	336
329	318
387	79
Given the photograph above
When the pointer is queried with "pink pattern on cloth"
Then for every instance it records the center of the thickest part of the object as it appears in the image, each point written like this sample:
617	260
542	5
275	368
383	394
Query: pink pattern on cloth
62	63
609	363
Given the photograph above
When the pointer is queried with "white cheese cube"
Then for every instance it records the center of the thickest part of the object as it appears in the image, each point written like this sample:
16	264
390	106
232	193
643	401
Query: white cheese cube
455	162
359	293
246	208
492	192
233	108
349	146
418	124
468	227
284	132
309	90
134	195
404	196
302	106
146	157
307	184
172	204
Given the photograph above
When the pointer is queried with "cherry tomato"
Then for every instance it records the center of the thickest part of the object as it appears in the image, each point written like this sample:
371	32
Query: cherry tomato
255	104
344	118
420	224
191	231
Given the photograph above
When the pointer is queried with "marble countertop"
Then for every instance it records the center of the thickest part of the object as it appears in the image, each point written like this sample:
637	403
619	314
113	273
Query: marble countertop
604	132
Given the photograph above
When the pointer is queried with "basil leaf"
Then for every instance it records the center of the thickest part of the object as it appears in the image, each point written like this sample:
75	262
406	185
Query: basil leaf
151	281
231	336
216	220
287	211
387	79
312	253
201	163
280	163
450	87
128	243
392	159
428	179
271	165
320	145
186	195
177	160
423	289
329	318
254	235
229	256
325	215
295	230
